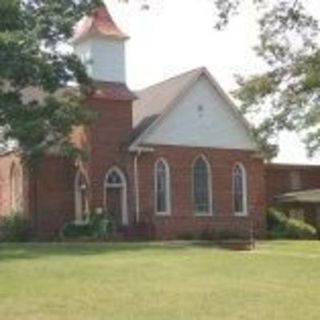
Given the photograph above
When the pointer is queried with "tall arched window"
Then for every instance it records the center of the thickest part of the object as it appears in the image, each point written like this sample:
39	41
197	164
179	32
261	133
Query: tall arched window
201	187
162	187
240	190
16	189
81	198
115	195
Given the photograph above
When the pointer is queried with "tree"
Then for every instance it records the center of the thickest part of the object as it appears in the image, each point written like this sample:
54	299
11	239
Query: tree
286	96
31	35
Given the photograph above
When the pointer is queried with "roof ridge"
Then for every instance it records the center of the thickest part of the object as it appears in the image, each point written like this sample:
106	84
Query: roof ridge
180	75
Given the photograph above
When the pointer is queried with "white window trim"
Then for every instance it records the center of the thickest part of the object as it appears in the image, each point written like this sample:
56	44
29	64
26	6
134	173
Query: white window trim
202	214
78	219
245	212
124	195
295	180
16	185
168	188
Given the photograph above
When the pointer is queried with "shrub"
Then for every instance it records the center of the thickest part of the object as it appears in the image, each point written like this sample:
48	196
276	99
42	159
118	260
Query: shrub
103	226
275	218
296	229
73	230
99	226
229	234
207	235
185	236
277	232
282	227
14	228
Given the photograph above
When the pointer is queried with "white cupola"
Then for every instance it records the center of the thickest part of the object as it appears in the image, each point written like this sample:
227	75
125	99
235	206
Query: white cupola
100	45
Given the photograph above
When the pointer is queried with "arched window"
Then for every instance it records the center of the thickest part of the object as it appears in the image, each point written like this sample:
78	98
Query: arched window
162	187
240	190
81	198
16	189
114	178
201	187
115	195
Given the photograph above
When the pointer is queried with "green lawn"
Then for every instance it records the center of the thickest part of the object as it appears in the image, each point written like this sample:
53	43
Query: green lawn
280	280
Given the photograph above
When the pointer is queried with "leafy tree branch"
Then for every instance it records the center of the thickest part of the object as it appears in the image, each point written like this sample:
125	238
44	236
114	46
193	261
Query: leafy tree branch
31	35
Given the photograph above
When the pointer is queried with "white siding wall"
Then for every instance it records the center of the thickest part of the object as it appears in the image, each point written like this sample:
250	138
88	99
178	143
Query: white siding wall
202	119
104	58
84	52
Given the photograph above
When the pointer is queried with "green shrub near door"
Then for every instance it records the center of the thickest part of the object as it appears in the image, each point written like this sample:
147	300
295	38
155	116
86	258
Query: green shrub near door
98	227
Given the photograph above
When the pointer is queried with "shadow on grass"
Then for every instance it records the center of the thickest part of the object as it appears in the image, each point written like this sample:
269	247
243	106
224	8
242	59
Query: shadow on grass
47	250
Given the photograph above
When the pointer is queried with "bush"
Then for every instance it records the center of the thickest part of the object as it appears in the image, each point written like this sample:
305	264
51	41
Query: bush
229	234
99	227
296	229
103	226
14	228
277	232
282	227
207	235
275	218
73	230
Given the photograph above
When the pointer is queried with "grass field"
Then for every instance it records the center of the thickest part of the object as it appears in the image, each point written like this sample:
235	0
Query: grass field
280	280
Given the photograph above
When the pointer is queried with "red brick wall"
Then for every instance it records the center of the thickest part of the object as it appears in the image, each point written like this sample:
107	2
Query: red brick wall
278	179
51	194
108	146
182	219
54	201
106	143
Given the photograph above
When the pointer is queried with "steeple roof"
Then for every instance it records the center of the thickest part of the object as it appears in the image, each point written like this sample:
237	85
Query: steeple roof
99	21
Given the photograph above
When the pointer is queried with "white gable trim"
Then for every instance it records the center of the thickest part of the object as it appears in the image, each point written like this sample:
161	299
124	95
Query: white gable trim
181	95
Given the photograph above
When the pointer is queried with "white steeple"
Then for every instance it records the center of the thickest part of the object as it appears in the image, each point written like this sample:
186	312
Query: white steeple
100	45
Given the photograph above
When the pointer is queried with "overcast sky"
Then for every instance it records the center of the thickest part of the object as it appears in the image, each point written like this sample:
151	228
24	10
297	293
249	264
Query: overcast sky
178	35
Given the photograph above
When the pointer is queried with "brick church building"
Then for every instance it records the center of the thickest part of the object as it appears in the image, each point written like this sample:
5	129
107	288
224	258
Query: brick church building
176	157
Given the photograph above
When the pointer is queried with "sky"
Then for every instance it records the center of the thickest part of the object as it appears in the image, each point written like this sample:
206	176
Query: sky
175	36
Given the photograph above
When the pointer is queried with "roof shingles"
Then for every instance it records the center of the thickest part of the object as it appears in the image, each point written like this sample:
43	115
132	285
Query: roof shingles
153	100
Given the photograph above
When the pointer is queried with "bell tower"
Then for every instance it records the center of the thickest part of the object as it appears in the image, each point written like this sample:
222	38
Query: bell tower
100	45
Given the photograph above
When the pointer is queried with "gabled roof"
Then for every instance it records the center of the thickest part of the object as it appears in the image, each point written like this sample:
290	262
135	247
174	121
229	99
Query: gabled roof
152	101
291	166
99	21
306	196
155	102
101	90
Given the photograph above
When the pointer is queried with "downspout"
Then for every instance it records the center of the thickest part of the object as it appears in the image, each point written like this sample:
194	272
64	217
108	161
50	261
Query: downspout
137	153
137	185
